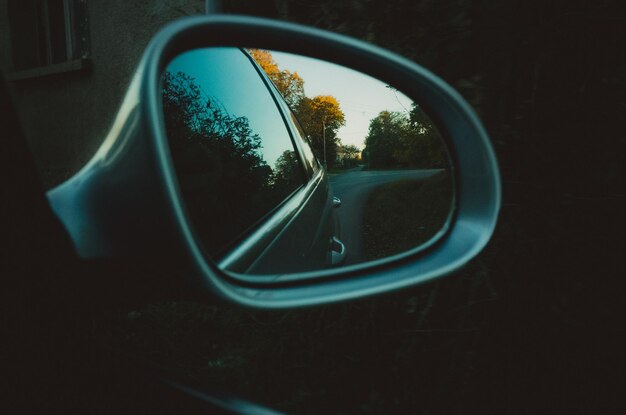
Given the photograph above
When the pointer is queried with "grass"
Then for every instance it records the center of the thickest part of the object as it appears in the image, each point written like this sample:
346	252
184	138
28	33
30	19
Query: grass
402	215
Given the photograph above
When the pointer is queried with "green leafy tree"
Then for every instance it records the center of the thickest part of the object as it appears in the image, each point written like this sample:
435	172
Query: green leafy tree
383	137
430	147
398	140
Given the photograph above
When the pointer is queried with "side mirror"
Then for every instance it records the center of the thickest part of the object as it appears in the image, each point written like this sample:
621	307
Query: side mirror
196	176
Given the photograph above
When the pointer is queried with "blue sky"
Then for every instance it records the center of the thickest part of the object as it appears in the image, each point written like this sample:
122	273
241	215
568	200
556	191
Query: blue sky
361	97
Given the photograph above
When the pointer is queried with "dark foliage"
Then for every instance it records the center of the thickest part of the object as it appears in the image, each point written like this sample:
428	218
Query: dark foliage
226	184
548	78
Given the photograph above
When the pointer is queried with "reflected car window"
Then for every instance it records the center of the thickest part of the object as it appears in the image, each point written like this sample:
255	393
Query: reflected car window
233	155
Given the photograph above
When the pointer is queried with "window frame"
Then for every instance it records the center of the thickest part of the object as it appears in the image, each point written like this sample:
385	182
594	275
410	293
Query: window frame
44	58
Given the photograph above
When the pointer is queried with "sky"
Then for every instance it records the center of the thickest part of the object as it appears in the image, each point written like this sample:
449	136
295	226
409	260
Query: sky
360	96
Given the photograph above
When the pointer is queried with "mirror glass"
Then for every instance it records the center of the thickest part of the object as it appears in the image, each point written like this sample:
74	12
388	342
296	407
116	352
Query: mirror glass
290	164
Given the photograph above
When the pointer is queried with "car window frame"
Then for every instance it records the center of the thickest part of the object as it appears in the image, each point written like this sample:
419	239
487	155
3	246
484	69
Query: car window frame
254	227
295	125
308	173
251	243
304	138
281	106
305	179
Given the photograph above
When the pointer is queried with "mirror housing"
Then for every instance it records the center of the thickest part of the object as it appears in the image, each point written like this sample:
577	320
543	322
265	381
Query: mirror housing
126	201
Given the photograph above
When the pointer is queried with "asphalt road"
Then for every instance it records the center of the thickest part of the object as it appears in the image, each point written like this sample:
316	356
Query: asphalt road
353	188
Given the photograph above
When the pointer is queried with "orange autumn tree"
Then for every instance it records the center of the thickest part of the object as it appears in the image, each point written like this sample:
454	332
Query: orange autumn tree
320	116
288	83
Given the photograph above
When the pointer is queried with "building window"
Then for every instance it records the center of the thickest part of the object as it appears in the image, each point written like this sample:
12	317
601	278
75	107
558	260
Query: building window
47	32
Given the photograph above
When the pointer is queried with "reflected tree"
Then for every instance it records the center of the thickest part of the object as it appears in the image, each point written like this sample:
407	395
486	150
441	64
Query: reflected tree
400	140
428	144
224	180
348	155
286	171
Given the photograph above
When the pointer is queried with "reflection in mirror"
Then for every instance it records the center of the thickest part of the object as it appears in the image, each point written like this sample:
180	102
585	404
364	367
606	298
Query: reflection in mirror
289	164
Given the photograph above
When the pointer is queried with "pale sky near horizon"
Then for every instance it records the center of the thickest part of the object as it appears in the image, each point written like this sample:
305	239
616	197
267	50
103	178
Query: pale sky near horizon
360	96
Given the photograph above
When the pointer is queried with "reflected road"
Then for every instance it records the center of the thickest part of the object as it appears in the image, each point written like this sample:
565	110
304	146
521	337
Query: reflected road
353	188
